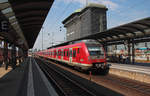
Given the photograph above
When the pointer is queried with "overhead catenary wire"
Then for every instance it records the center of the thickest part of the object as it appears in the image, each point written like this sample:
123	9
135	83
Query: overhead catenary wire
52	26
61	15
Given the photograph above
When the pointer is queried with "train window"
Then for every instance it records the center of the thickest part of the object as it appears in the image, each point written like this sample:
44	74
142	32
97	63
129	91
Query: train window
60	53
95	50
54	52
64	52
67	53
78	50
74	53
57	53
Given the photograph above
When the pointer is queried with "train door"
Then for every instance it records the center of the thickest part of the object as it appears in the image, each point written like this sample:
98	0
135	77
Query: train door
70	56
74	55
56	54
78	55
62	54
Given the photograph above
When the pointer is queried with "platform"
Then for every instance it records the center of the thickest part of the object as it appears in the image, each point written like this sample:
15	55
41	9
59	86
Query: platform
26	80
3	71
131	71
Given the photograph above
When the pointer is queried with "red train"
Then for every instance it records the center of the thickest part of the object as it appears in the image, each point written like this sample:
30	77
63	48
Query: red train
83	55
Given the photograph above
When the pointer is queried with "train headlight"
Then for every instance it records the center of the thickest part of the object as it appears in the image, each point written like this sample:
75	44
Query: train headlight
81	59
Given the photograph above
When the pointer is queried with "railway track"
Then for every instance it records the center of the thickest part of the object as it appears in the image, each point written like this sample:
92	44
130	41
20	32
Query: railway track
122	85
135	85
64	85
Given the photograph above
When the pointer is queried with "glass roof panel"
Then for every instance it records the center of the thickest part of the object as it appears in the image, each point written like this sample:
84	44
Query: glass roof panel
13	17
3	1
4	5
7	10
14	23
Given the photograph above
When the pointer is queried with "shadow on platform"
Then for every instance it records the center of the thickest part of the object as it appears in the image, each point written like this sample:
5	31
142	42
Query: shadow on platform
12	81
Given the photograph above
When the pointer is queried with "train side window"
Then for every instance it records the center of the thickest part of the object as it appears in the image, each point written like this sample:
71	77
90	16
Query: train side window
64	52
67	53
78	50
74	53
70	53
59	53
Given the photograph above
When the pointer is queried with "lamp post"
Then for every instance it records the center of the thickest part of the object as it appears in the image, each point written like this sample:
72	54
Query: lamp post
60	31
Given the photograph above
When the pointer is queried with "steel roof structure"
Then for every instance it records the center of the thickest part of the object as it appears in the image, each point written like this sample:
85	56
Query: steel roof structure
138	30
26	18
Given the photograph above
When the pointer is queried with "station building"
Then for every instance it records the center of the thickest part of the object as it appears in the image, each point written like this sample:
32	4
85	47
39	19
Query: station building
86	21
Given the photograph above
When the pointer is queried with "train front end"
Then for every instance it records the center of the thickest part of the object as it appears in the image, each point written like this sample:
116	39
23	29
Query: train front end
97	56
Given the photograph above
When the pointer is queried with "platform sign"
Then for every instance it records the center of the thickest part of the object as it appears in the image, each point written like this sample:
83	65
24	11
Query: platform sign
4	26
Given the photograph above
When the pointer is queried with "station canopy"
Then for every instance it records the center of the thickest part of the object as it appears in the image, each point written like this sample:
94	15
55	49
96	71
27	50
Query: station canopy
139	31
26	18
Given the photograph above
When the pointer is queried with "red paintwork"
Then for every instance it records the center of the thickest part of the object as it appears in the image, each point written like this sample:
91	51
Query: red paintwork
81	57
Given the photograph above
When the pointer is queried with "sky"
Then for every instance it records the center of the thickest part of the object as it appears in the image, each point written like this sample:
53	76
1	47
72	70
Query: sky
119	12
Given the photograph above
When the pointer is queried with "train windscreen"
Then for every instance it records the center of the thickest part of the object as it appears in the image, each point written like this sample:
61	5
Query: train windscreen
95	51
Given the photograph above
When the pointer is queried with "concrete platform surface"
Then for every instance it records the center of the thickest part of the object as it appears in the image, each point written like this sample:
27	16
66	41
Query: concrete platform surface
134	68
10	82
135	72
26	80
3	71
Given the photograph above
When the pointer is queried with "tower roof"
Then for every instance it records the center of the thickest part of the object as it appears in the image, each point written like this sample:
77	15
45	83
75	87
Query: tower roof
81	10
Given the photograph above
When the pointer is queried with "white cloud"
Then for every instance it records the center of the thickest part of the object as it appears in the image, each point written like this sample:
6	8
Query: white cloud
111	5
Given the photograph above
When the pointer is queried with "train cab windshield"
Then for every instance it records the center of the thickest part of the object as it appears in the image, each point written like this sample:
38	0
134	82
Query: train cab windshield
95	51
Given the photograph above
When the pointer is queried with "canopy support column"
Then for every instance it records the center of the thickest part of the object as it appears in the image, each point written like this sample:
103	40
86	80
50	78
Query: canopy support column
133	52
13	53
129	51
5	55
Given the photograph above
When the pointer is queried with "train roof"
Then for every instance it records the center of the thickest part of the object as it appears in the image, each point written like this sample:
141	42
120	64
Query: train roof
72	45
79	41
81	10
